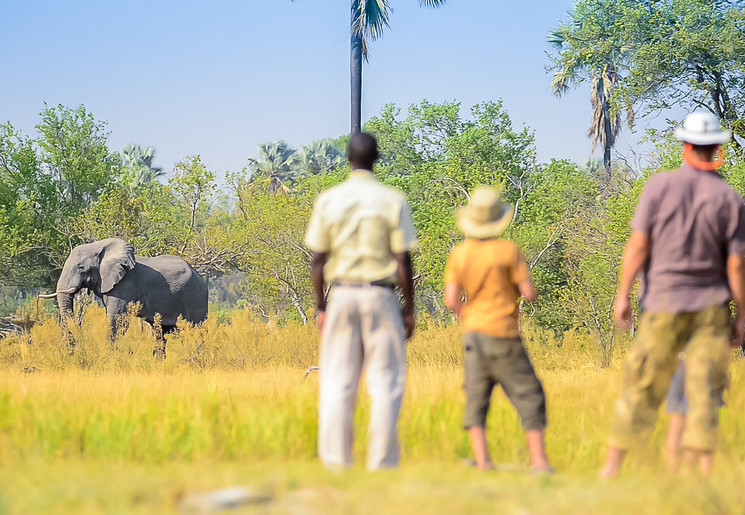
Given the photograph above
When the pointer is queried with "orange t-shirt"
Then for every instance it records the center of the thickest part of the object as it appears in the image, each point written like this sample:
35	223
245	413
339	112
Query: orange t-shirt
489	272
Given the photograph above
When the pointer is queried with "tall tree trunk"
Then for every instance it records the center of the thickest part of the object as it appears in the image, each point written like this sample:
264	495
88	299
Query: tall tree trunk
355	72
608	140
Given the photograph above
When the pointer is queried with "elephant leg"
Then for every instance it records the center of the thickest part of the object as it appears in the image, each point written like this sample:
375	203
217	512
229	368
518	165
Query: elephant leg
116	311
112	327
160	343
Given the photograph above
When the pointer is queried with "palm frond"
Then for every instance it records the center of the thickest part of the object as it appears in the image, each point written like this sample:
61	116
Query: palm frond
602	106
432	3
563	80
556	38
372	18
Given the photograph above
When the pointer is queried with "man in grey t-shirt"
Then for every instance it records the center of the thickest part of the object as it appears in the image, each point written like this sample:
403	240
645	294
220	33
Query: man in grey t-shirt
687	243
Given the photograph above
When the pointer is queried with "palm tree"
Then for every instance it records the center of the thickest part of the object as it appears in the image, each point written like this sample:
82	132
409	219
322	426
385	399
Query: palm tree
606	121
319	157
276	162
139	162
368	20
606	117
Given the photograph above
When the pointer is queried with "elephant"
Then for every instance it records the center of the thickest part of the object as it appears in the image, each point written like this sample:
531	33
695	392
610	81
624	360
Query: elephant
109	268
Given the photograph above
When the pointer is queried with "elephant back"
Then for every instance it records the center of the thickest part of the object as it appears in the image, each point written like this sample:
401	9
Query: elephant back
179	281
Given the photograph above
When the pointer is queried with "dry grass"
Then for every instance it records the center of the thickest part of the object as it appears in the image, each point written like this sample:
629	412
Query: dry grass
243	342
107	429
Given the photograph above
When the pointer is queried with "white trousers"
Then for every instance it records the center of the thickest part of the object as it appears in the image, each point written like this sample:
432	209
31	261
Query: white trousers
363	328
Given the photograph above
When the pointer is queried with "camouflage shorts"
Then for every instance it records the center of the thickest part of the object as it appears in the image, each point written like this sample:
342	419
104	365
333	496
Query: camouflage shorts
704	336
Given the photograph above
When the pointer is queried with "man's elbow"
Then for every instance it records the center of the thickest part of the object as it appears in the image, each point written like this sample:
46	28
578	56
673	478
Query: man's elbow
639	244
452	297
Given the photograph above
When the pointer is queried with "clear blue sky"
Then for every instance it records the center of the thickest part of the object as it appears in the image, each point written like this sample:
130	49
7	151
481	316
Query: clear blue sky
217	78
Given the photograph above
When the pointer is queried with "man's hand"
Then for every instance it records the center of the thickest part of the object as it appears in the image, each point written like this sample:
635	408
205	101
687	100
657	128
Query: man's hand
409	324
405	275
320	321
737	337
634	257
622	312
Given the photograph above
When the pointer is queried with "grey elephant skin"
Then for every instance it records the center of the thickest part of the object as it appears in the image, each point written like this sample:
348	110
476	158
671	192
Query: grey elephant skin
110	269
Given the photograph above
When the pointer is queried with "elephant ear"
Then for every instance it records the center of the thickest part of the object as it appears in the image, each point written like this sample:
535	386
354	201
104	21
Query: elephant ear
117	259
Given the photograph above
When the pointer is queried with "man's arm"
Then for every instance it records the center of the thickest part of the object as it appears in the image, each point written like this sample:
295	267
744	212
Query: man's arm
634	258
319	282
452	298
736	278
406	282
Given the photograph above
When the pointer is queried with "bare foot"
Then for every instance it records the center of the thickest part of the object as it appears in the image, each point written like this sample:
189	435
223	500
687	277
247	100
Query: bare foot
613	463
609	471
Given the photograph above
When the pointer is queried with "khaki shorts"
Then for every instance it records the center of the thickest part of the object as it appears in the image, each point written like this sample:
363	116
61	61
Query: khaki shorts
489	362
704	336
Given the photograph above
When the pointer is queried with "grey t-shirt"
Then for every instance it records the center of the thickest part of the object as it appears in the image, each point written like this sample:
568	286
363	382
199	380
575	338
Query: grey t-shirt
694	221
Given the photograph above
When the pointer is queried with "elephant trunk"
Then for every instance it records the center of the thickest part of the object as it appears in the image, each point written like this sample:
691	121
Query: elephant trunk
67	287
64	303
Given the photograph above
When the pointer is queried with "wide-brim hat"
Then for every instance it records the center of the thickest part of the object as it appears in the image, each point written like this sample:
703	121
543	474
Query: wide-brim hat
485	216
702	128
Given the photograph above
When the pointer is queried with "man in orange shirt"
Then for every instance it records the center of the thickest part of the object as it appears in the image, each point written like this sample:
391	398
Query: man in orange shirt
493	274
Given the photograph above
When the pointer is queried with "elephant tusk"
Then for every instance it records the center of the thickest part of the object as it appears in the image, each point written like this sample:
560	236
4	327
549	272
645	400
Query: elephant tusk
68	291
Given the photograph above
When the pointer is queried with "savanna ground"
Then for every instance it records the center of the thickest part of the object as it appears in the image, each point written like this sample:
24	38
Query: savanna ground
107	429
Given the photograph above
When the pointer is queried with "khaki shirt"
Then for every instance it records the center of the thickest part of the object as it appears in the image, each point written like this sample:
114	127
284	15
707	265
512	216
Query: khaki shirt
361	224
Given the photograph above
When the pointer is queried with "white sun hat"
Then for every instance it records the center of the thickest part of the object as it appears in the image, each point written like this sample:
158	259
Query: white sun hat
702	128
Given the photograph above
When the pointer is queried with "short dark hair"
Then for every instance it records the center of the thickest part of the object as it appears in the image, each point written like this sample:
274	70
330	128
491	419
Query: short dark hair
362	150
706	151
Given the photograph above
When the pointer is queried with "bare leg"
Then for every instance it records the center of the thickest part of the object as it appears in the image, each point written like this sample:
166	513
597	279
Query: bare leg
480	449
706	463
537	448
613	462
705	460
674	435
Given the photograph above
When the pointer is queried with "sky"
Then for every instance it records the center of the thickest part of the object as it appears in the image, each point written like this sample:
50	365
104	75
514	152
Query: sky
218	78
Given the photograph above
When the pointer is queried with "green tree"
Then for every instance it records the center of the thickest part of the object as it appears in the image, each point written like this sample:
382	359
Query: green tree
572	67
277	163
139	171
320	157
663	53
437	157
46	183
369	18
276	263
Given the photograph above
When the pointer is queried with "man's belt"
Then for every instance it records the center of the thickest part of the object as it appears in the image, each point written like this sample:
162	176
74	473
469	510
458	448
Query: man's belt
354	284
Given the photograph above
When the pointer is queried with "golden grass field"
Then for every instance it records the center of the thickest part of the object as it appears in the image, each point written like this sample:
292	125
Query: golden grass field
104	429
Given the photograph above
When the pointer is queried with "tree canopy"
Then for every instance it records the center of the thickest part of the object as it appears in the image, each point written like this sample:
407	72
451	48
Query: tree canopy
663	53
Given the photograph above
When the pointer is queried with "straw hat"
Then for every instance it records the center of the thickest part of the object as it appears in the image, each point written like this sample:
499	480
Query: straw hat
702	128
485	216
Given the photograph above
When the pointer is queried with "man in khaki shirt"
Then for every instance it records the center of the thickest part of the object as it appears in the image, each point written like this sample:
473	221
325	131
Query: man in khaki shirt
360	234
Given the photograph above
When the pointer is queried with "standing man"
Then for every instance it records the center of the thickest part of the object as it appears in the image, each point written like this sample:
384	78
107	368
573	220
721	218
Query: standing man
493	274
687	241
361	234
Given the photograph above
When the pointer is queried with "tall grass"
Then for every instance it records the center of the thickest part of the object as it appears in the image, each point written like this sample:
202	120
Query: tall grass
271	414
231	402
240	341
